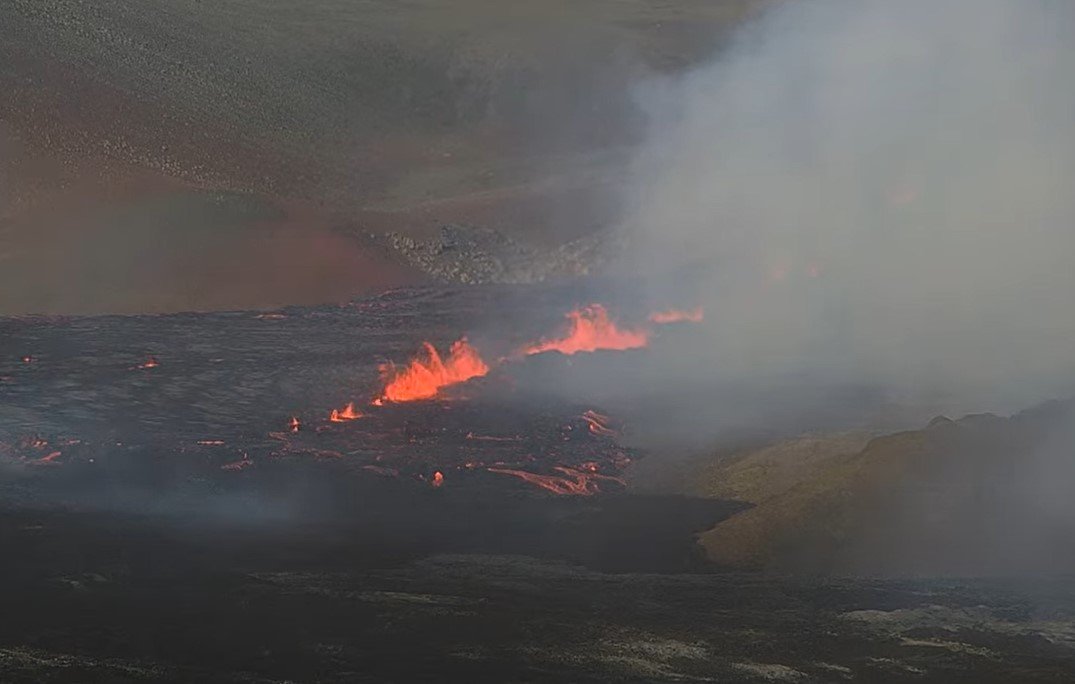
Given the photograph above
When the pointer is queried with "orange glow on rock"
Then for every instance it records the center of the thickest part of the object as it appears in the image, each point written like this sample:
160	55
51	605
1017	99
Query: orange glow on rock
589	330
426	374
598	424
570	483
438	479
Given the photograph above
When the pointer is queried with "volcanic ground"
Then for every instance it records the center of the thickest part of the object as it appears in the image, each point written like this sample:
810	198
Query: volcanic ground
180	503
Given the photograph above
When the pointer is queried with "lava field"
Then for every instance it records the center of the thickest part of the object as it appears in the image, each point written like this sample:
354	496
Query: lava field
176	406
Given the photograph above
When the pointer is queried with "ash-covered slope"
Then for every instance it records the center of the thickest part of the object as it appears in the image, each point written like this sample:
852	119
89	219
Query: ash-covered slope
389	118
336	100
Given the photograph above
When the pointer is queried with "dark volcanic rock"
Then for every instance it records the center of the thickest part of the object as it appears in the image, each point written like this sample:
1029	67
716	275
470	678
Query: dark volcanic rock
120	599
472	255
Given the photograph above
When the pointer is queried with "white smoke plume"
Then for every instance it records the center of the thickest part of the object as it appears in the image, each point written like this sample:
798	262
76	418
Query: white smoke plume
876	190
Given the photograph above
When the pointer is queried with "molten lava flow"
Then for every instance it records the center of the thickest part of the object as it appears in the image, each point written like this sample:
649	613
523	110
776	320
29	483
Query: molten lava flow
50	457
294	425
599	424
695	315
149	363
337	416
591	329
424	377
572	482
438	479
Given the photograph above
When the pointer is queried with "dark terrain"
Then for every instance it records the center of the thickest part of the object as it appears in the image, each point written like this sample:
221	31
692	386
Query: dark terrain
100	598
163	524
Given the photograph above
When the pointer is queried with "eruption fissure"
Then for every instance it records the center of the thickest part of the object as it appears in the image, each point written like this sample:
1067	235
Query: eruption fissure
589	329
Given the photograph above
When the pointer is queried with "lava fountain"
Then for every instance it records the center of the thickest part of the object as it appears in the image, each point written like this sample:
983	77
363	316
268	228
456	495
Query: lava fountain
426	374
589	330
346	413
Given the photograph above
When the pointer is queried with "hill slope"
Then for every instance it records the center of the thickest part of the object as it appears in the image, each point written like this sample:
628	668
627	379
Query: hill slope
983	494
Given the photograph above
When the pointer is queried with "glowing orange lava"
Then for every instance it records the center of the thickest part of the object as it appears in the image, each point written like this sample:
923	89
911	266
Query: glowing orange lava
150	363
294	425
338	415
695	315
50	458
591	329
572	482
438	479
423	378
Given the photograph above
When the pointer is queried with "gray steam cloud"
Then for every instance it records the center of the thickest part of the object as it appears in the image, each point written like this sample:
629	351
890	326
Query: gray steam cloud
875	191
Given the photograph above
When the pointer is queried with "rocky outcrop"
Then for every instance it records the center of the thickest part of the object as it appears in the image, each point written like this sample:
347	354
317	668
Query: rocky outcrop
474	255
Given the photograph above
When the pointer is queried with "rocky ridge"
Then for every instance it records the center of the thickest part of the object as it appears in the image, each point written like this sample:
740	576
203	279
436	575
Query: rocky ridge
477	255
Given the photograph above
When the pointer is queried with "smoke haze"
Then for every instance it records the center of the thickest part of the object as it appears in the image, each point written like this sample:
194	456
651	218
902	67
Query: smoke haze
878	192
